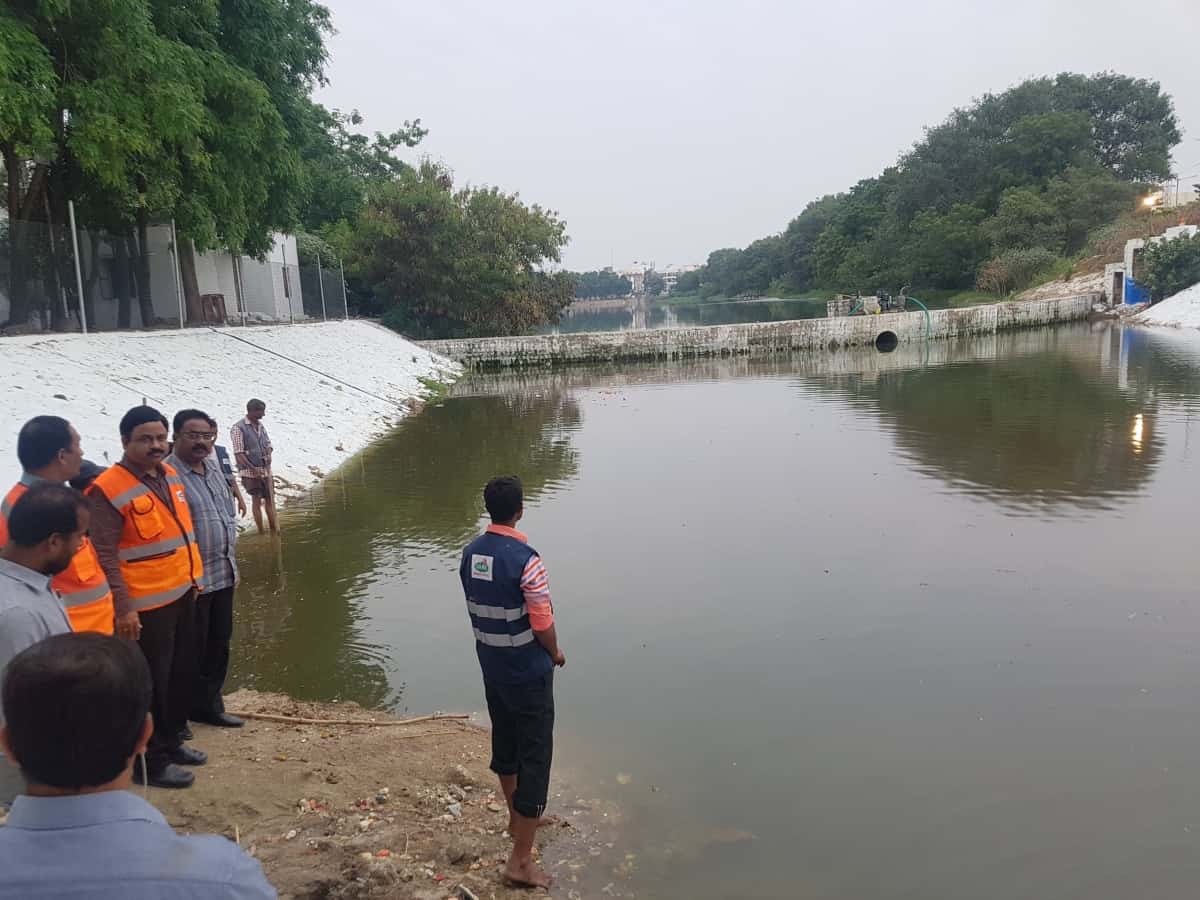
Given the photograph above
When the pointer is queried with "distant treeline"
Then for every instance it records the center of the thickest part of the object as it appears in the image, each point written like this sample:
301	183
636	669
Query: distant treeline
1000	192
601	285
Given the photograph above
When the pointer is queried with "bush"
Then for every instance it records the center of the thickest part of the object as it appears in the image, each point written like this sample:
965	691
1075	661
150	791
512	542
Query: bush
1014	270
1172	266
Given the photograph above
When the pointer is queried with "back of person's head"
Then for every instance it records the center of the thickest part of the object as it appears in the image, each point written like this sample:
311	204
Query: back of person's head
187	415
140	415
88	472
40	441
44	511
75	709
504	498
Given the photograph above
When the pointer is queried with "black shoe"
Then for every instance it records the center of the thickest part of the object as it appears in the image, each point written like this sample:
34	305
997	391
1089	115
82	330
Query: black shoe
219	720
186	756
169	776
185	734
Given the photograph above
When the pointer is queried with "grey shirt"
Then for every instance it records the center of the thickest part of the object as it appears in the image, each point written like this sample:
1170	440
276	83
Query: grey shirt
30	611
211	505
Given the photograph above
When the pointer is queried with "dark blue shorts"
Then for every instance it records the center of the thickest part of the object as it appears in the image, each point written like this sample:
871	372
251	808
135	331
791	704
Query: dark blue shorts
523	738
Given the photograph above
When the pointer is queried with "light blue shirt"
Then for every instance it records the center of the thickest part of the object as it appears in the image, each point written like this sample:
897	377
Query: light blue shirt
30	611
116	846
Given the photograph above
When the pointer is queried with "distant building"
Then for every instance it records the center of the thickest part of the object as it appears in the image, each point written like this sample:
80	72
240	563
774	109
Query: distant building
670	275
1121	280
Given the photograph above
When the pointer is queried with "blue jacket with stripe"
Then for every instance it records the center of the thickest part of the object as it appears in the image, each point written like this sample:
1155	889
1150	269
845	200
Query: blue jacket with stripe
491	570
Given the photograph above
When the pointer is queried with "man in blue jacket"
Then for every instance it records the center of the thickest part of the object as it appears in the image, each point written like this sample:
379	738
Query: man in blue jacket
508	599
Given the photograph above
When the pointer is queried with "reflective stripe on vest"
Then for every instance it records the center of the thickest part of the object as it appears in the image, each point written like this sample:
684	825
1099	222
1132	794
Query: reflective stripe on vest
159	563
154	601
158	548
124	498
87	595
504	640
496	612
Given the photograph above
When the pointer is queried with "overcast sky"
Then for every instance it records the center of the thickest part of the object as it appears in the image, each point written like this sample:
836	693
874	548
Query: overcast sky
661	129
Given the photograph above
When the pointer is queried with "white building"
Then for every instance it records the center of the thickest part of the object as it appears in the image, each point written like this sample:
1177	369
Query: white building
1117	275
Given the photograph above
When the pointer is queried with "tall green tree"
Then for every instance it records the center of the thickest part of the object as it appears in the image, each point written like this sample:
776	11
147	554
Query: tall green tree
446	262
1038	166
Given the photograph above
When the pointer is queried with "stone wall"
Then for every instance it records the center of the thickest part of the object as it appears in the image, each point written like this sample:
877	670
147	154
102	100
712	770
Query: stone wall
759	338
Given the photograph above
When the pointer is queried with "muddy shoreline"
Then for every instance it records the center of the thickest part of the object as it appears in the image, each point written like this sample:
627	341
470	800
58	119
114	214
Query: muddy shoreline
340	812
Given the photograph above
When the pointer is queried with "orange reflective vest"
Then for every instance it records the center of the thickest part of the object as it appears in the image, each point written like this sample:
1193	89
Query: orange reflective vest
158	553
82	585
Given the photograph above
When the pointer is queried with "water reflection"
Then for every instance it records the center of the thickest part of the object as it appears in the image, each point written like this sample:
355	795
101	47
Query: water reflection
303	624
1047	419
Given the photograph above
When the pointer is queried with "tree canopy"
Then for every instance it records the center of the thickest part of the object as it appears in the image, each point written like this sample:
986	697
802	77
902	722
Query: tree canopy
446	262
1036	167
602	285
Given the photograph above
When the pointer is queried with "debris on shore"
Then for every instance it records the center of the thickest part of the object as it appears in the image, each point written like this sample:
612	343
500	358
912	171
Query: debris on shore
348	811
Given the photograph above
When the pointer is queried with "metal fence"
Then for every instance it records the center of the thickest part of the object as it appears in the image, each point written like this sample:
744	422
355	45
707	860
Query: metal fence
55	279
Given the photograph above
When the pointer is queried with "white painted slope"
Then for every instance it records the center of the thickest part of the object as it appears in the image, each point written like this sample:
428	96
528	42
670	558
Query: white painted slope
1180	311
315	422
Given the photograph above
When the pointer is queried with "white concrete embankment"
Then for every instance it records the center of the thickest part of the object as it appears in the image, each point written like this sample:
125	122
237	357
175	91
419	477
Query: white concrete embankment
329	388
1179	311
760	338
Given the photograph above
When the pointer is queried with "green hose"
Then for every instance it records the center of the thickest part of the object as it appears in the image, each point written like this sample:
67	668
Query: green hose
928	319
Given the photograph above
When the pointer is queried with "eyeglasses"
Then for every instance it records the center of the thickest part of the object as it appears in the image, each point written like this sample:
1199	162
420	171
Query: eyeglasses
206	436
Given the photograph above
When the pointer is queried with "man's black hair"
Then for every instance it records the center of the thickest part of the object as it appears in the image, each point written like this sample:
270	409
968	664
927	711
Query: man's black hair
43	510
255	404
88	472
75	706
140	415
40	441
186	415
503	498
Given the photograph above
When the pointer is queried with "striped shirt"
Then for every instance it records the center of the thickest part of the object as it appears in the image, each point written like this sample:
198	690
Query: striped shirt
211	505
258	449
535	584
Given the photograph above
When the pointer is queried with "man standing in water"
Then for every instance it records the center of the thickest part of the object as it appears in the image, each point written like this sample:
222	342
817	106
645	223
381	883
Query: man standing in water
252	449
508	599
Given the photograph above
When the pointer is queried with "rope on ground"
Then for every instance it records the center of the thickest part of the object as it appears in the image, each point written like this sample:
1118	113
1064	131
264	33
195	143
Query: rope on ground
387	723
296	362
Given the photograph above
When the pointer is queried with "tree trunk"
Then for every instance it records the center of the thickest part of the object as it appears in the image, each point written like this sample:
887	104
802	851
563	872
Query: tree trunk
21	232
91	289
123	280
145	300
191	285
61	260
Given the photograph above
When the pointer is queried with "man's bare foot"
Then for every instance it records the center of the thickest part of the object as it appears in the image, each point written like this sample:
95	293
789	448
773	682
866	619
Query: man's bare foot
527	874
543	822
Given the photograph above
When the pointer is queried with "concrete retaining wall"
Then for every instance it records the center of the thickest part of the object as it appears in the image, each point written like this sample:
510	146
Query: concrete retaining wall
759	338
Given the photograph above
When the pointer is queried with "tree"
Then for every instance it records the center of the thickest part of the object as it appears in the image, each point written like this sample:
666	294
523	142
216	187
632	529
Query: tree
451	263
1025	218
1171	266
157	109
602	285
1039	165
1013	270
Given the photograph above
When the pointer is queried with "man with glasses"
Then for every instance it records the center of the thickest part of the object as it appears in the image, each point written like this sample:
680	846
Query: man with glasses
141	526
211	504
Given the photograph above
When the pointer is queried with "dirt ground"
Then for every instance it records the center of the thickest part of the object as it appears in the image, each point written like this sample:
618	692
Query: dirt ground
354	811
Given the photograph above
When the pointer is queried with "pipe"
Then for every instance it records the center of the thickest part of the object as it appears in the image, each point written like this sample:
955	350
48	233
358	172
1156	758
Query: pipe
78	270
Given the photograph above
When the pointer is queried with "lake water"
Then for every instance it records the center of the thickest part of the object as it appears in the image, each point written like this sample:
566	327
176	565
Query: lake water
852	625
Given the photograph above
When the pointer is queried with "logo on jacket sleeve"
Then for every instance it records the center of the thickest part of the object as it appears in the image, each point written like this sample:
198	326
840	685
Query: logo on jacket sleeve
481	567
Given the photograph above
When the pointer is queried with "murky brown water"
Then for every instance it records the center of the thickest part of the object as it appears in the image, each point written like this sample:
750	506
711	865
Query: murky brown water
846	626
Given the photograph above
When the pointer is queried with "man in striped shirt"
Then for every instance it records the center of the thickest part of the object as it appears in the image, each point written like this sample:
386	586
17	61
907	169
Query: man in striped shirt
508	600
